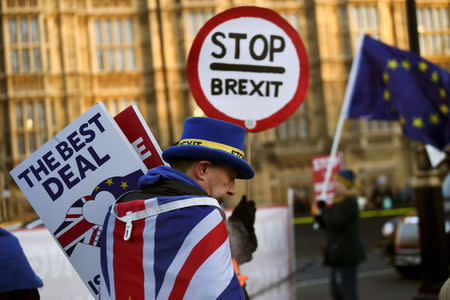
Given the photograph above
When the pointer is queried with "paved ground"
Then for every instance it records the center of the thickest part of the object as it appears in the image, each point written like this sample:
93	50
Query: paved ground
377	280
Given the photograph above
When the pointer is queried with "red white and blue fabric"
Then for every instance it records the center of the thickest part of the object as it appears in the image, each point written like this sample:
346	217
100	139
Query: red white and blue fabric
180	254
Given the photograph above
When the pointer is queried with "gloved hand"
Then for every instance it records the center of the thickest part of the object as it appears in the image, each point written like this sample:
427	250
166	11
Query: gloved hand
245	211
321	204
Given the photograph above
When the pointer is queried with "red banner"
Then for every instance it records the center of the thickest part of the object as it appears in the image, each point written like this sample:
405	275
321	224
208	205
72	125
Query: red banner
319	168
140	136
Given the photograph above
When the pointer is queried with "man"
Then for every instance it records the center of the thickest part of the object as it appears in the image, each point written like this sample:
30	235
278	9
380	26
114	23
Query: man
169	240
344	249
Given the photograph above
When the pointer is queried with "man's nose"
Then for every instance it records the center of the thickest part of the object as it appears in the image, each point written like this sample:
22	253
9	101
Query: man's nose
231	189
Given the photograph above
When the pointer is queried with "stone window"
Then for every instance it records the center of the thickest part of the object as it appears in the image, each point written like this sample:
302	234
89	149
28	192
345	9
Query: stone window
116	105
361	17
24	45
21	3
115	44
296	126
434	27
292	18
33	123
196	19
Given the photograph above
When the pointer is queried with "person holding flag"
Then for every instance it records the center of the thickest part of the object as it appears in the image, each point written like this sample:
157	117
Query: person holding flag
169	239
344	250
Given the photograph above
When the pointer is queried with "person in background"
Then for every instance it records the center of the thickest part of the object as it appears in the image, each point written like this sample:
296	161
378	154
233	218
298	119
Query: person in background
344	250
446	188
406	196
17	278
169	239
381	196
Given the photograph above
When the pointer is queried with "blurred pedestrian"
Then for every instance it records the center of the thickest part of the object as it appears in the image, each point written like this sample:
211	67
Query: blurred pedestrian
446	187
344	250
17	278
381	196
406	196
169	239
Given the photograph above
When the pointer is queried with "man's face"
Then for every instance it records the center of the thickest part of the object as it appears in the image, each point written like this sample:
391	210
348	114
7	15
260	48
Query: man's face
339	187
220	182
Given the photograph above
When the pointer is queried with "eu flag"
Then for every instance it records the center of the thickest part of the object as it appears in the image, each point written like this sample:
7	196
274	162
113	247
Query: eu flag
392	84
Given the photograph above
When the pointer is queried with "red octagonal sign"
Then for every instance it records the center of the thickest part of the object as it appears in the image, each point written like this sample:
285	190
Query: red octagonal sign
248	66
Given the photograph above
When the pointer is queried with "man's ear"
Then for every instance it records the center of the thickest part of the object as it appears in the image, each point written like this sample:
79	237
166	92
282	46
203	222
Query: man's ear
201	169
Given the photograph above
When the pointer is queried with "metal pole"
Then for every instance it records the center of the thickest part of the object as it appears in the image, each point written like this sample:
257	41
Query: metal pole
249	160
164	70
412	26
343	114
429	203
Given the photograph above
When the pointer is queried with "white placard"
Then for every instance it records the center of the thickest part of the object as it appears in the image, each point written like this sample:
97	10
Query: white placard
248	66
272	262
72	180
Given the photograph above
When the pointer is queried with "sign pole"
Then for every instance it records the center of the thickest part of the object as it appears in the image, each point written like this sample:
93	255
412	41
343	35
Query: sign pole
249	160
343	115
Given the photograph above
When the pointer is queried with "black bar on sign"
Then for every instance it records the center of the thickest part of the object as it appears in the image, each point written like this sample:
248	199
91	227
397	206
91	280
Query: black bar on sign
246	68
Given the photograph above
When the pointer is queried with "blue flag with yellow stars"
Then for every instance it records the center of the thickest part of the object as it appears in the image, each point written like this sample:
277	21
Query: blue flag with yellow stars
392	84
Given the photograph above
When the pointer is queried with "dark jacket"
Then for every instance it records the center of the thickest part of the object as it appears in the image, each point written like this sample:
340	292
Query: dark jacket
341	223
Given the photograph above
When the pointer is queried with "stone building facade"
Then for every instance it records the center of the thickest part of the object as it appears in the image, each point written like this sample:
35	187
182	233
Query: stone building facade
59	57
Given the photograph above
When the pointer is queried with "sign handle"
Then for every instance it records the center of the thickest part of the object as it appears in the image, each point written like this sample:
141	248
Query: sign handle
249	160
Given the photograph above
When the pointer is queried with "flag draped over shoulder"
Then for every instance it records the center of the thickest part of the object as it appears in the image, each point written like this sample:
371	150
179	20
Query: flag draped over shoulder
392	84
179	254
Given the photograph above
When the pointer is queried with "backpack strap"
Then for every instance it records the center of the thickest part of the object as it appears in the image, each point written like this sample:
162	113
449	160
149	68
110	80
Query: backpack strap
156	210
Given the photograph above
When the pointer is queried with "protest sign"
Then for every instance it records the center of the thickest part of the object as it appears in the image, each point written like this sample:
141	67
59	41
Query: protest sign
51	265
72	180
319	167
133	125
272	263
248	66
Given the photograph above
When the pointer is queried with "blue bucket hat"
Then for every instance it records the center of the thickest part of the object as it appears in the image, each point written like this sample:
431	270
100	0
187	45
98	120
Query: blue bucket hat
214	140
15	270
346	176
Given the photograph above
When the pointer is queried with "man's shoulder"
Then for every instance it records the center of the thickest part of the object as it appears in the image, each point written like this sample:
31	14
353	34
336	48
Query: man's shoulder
133	195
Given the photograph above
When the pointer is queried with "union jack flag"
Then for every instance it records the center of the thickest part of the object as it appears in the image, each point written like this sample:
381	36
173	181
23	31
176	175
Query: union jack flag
76	229
179	254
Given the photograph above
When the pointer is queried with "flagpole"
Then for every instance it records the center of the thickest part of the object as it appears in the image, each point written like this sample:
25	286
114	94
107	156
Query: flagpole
343	115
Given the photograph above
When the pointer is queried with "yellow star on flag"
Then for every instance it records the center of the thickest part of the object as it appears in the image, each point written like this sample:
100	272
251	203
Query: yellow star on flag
392	64
109	182
406	64
124	185
434	77
417	122
442	93
387	95
385	76
423	66
434	119
444	109
97	187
